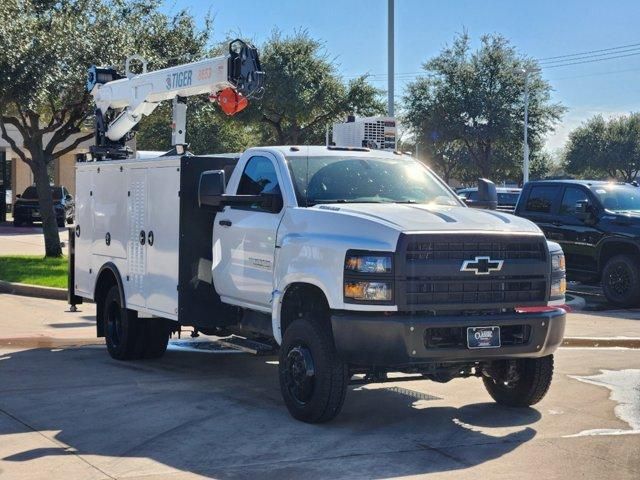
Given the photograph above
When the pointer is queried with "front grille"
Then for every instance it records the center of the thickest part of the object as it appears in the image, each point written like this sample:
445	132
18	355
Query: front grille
505	250
430	274
438	291
456	337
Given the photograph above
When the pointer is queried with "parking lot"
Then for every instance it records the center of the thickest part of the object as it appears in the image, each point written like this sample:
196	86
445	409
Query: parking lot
67	410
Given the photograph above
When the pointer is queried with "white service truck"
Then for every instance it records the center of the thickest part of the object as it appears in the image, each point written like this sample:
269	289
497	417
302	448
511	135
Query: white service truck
350	263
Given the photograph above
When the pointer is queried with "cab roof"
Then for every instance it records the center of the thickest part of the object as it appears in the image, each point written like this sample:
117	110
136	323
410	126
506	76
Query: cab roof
324	151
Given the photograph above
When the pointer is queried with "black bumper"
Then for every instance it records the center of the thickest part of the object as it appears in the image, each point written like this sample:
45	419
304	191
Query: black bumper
397	340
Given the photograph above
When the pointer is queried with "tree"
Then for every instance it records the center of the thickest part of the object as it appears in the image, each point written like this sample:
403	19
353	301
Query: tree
48	46
303	92
476	99
208	130
605	148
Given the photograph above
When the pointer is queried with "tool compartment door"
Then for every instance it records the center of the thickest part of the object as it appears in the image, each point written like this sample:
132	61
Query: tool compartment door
84	277
109	212
163	222
136	238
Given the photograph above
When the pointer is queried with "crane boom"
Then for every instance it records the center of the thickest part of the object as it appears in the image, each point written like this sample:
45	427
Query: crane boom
121	102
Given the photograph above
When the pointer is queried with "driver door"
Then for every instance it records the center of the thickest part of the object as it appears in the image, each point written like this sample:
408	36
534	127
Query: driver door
245	238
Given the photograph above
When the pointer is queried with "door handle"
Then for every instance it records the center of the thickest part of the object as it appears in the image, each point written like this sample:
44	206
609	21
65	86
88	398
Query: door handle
225	223
150	238
143	237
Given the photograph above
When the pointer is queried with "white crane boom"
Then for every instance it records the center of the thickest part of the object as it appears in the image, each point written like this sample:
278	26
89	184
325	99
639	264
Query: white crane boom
121	102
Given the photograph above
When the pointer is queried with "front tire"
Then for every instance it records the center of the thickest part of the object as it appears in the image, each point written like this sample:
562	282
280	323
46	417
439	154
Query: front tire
621	280
520	383
313	380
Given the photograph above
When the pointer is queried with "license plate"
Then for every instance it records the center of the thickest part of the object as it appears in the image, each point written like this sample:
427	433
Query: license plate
483	337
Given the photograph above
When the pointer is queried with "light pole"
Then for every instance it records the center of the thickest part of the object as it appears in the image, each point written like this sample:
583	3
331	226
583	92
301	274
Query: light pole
526	71
390	56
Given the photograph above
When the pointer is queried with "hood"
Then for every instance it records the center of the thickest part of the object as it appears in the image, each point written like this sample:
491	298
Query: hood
411	218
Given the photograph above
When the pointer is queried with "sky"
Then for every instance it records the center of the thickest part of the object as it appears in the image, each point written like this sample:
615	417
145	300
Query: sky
355	33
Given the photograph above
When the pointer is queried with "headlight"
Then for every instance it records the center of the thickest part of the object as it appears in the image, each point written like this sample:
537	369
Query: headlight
558	277
373	291
558	263
368	263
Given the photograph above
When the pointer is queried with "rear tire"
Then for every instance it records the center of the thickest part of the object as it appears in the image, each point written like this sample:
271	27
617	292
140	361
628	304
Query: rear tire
155	333
313	379
621	280
533	380
122	328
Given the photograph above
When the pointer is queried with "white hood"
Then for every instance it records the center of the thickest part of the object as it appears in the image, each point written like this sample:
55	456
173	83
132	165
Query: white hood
428	218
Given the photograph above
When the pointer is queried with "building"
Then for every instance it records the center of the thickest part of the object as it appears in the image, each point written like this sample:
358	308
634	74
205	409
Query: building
20	176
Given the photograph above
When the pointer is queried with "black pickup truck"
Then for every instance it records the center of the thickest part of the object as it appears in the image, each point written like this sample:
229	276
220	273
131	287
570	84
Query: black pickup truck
598	226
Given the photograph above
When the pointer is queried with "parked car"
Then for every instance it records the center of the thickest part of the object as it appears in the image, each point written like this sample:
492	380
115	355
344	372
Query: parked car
598	226
507	197
26	210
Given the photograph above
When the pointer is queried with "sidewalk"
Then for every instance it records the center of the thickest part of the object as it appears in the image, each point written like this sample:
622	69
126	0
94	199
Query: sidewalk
26	240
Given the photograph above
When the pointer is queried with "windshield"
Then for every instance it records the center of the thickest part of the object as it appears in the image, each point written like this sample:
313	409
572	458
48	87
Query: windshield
366	180
32	194
618	198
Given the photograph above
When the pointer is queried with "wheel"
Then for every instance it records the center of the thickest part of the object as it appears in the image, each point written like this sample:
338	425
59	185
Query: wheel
520	383
155	334
123	332
621	280
313	380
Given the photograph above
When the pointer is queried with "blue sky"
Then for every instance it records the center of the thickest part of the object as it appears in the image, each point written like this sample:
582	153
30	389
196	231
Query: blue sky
355	33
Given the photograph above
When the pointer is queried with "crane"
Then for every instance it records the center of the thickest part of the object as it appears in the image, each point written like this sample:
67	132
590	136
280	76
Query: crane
122	101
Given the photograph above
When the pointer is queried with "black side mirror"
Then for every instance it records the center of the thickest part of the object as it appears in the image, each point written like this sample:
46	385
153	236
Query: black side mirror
487	195
211	188
583	210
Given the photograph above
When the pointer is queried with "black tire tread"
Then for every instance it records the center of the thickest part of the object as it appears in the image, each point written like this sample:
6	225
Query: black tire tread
535	379
338	371
633	299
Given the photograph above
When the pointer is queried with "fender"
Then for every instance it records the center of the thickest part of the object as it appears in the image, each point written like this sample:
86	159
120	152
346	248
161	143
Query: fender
276	304
614	239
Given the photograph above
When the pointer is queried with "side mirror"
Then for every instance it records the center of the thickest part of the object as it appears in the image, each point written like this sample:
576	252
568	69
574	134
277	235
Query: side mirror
583	210
211	188
487	195
19	195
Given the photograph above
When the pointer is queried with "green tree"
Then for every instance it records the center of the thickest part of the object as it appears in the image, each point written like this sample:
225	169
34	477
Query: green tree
605	148
304	93
47	46
208	130
475	98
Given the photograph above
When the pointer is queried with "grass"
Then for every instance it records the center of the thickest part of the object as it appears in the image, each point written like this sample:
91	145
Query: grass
34	270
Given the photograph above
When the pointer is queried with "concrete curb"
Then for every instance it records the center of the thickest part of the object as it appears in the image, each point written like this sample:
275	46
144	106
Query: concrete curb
33	290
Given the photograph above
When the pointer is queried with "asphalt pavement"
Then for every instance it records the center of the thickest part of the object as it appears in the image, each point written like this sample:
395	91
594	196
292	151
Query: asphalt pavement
67	410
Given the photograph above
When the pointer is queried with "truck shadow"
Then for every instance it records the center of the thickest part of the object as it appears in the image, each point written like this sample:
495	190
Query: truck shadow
220	415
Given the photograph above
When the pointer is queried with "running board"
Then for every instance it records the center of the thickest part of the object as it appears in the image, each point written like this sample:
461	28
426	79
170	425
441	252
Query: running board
246	345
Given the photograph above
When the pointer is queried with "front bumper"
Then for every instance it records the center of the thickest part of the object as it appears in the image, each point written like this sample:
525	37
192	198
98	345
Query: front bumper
396	340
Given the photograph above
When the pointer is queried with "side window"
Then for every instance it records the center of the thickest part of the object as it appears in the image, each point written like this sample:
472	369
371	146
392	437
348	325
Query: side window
541	198
259	176
572	195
